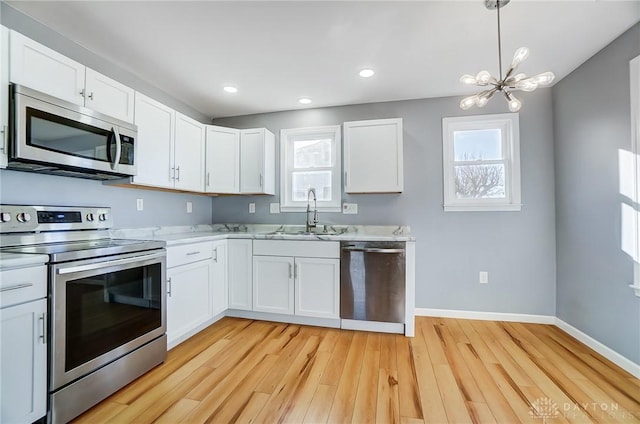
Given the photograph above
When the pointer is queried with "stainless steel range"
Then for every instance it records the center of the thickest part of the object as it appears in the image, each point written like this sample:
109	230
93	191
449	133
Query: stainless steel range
107	301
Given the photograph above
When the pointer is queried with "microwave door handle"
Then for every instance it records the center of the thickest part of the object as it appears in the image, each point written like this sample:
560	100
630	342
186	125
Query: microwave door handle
116	160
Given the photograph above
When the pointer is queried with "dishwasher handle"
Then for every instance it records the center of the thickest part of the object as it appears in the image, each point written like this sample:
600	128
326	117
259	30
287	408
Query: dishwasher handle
371	249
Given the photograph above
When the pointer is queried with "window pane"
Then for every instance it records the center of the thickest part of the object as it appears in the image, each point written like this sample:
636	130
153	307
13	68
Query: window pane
303	181
312	153
477	145
480	181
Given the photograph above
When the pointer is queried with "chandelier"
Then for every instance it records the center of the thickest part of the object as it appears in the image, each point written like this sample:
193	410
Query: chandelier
509	82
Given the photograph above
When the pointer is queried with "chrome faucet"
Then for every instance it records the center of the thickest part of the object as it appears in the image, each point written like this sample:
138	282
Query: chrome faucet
312	223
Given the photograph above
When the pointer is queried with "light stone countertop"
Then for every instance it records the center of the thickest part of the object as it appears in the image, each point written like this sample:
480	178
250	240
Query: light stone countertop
21	260
174	235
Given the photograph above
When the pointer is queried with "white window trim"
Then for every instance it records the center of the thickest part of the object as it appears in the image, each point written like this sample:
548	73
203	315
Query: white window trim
509	122
634	88
286	205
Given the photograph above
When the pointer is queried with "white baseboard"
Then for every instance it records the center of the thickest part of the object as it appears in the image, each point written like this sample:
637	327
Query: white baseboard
487	316
621	361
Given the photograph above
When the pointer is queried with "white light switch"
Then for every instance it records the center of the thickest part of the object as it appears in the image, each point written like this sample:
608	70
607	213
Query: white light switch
274	207
252	208
189	207
484	277
350	208
139	204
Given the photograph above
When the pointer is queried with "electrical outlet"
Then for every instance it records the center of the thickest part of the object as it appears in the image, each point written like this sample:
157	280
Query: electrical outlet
483	277
350	208
189	207
139	204
274	207
252	208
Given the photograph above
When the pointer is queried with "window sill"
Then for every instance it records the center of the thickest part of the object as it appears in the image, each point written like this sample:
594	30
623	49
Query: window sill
483	208
304	208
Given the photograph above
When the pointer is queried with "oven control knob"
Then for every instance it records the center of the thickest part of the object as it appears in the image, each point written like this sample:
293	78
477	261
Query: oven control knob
5	217
90	217
103	217
24	217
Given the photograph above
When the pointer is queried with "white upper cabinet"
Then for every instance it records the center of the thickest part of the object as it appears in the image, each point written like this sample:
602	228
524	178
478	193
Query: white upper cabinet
373	160
43	69
108	96
4	95
188	154
257	161
154	146
222	173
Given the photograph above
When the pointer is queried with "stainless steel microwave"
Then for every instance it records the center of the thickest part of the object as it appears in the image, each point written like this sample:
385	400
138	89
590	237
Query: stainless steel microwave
54	136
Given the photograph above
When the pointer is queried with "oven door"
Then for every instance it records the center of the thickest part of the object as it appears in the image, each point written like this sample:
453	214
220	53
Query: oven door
103	309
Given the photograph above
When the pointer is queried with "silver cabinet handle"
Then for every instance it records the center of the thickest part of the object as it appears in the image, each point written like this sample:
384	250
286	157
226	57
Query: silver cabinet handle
116	160
371	250
215	255
177	173
261	179
290	271
208	179
16	287
193	253
43	336
82	92
172	173
5	136
91	95
169	287
345	178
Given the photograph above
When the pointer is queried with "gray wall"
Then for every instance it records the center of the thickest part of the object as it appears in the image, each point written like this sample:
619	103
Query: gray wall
160	208
592	122
516	248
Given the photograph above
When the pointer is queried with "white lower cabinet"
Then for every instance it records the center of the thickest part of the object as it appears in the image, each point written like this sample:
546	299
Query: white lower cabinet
219	282
240	274
317	287
273	284
188	298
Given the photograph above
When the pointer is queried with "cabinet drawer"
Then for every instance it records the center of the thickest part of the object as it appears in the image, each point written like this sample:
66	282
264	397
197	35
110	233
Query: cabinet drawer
22	285
188	253
311	249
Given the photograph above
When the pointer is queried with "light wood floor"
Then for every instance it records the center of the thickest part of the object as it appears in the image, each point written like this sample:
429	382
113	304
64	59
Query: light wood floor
453	371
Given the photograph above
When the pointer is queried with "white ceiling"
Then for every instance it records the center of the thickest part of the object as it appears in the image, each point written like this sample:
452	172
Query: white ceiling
278	52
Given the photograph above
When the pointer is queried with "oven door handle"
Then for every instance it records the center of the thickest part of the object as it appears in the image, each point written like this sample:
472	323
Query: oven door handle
98	265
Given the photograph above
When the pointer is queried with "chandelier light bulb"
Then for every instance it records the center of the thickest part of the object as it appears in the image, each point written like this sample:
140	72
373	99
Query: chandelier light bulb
482	101
468	79
514	104
544	78
528	84
468	102
483	78
520	55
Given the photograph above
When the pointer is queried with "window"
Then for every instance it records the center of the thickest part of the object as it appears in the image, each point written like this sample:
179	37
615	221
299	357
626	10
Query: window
310	158
481	163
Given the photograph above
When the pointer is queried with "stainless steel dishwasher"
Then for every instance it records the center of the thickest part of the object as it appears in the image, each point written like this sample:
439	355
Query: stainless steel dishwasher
372	281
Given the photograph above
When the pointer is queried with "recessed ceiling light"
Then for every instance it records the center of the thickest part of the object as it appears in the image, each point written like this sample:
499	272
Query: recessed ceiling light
230	89
367	73
304	101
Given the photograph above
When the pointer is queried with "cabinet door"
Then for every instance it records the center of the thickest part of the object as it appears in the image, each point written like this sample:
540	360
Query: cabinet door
23	362
373	156
222	160
4	95
188	297
273	284
252	161
108	96
240	274
219	286
154	145
38	67
317	287
189	154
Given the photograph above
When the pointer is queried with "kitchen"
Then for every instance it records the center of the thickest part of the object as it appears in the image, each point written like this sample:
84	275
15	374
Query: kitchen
532	257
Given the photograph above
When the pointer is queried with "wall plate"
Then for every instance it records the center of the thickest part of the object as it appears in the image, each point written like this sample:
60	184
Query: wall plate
350	208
